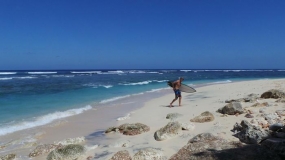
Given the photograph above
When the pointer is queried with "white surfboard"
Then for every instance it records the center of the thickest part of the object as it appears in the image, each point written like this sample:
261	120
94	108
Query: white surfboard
183	87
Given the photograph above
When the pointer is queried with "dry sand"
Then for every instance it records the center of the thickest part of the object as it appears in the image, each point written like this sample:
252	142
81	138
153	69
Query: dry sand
153	114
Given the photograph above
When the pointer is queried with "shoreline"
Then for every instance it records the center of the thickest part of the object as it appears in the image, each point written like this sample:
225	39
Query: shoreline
155	108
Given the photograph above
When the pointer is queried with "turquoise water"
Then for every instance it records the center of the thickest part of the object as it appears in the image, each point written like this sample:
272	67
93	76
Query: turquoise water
34	98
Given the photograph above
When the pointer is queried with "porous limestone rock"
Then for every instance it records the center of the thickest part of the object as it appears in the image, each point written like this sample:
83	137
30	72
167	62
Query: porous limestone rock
250	134
206	146
204	117
8	157
133	129
171	130
122	155
231	109
68	141
42	149
149	153
173	116
68	152
273	93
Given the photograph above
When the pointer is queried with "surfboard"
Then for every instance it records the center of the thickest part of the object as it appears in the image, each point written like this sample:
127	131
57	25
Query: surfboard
183	87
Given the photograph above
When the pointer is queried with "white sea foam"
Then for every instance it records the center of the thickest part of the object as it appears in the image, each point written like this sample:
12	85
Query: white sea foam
136	71
219	82
138	83
114	99
156	90
27	77
107	86
4	73
42	72
160	81
141	72
9	78
41	120
6	78
128	116
67	76
152	72
112	72
85	72
185	70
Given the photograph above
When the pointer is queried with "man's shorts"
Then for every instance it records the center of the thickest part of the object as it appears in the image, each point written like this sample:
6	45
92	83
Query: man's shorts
177	93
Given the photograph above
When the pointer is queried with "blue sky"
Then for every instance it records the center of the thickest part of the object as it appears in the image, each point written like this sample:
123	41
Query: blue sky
142	34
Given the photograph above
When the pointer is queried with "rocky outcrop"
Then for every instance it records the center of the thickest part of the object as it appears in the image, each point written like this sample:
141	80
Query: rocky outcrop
171	130
129	129
204	117
273	93
8	157
173	116
149	153
265	104
68	152
42	149
68	141
122	155
276	145
187	126
250	98
249	134
112	129
206	146
133	129
231	109
280	112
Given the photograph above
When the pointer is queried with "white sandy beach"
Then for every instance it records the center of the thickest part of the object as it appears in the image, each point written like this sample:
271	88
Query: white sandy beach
153	114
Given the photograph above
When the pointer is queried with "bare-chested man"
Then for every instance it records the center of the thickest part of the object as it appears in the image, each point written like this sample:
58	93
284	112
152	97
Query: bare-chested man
176	85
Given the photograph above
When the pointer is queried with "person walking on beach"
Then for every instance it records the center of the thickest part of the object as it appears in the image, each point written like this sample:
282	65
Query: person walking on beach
176	85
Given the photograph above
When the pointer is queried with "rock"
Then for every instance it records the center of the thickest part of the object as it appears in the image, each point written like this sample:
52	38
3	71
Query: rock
206	146
204	117
8	157
254	122
149	153
265	104
249	116
276	127
42	149
133	129
231	108
187	126
68	152
270	116
275	144
250	111
171	130
250	134
273	93
250	98
122	155
68	141
280	112
112	129
262	110
279	135
281	100
173	116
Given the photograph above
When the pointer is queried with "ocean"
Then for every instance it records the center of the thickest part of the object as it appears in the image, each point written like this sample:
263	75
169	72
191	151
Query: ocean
34	98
